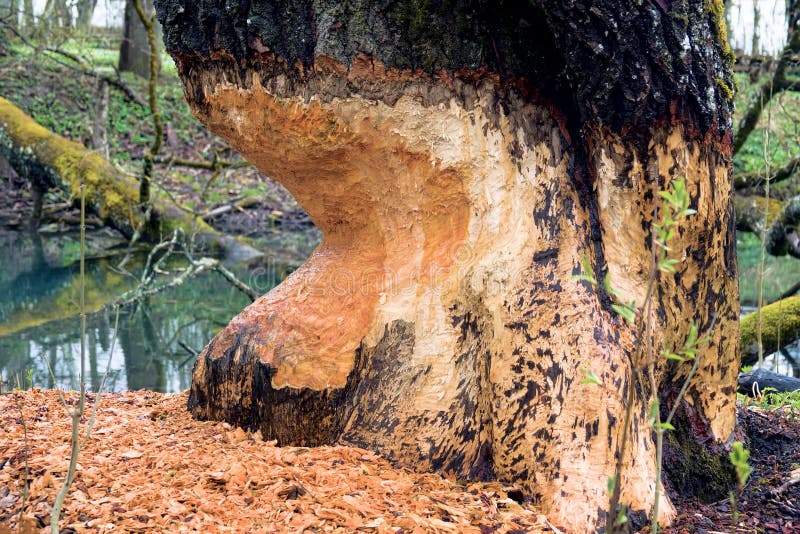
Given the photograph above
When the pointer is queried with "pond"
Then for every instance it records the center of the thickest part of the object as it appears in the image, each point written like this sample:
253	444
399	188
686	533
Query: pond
156	340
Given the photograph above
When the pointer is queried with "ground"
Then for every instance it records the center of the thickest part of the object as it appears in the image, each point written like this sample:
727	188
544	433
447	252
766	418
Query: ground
150	467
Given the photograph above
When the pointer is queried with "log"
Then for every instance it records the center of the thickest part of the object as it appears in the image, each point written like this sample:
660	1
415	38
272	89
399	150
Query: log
766	379
460	159
780	326
49	160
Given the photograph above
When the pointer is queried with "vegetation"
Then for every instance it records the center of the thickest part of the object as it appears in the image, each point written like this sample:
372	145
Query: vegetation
153	136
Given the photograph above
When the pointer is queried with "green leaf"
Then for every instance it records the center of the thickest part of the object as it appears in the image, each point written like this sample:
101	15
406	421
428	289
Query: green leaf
611	483
626	312
589	377
669	355
588	272
740	458
653	416
664	426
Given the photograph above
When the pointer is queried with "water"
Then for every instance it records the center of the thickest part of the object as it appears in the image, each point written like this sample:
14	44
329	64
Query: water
153	346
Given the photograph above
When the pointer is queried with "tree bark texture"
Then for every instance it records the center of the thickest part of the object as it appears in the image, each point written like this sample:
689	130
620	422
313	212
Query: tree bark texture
460	159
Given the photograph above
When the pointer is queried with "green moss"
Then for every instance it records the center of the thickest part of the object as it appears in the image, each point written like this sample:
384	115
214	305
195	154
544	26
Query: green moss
716	13
692	469
779	321
727	92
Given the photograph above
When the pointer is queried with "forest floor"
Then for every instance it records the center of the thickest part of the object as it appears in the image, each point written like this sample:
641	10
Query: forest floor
149	467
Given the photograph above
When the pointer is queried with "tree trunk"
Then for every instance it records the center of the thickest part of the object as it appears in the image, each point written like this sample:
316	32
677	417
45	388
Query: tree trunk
85	12
134	52
460	159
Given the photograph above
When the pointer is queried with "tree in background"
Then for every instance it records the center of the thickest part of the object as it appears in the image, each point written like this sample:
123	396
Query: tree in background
466	162
134	52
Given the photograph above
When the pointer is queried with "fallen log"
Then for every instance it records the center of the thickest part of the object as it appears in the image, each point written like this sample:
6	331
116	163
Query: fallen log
780	325
766	379
51	161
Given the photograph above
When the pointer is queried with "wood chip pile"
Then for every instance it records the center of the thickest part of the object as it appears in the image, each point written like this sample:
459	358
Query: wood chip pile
149	467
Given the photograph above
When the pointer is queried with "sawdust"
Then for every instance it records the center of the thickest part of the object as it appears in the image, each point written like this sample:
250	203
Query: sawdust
149	467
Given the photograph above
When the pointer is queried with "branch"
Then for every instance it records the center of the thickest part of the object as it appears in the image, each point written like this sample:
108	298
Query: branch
82	67
208	165
755	179
767	90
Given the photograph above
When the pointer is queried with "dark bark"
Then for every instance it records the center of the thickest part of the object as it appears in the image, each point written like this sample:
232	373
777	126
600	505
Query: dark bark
411	133
134	52
766	379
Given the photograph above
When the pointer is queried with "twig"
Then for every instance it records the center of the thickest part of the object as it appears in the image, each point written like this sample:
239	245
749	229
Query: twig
77	412
82	67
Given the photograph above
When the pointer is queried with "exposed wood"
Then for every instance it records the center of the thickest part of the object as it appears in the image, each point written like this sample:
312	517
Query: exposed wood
763	379
49	160
460	160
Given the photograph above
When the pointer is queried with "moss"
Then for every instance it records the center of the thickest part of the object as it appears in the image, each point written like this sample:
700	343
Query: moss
716	13
779	321
692	469
727	92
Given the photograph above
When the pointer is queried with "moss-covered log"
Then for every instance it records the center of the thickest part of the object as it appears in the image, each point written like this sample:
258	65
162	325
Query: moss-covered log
49	160
460	159
780	325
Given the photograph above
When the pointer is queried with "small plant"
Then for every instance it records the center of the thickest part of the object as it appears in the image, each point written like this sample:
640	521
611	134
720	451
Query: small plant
740	458
676	207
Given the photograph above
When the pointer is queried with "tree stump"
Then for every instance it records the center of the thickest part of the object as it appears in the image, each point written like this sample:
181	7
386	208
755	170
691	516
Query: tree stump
461	159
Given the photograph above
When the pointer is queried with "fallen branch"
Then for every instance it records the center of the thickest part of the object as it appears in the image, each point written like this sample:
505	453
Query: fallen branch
756	179
780	324
766	379
212	165
49	160
82	67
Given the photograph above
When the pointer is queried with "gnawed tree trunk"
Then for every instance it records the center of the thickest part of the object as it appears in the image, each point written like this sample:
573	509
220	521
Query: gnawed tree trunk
49	160
460	158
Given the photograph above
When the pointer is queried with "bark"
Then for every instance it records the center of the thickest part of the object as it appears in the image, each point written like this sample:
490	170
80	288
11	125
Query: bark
766	379
49	160
134	52
460	159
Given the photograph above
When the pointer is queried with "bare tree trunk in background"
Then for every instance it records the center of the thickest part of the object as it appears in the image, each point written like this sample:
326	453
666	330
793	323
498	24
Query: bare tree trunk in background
8	15
134	52
85	12
28	19
99	130
756	32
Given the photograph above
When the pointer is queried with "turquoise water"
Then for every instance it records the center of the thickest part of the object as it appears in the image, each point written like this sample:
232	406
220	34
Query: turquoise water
154	344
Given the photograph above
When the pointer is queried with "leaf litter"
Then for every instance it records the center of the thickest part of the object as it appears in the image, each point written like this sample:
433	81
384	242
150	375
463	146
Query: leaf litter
150	467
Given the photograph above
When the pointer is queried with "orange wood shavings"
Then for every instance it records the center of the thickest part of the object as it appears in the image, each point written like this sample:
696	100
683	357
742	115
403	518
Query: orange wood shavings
149	467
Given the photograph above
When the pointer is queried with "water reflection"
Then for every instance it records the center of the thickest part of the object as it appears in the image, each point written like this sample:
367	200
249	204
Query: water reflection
39	326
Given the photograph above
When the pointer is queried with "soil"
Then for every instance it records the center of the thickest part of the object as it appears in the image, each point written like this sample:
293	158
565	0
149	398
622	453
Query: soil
149	467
